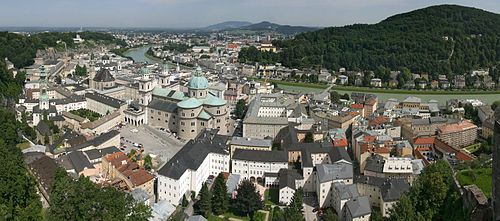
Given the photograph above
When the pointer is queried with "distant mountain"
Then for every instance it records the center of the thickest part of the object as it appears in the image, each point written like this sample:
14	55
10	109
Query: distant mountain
227	25
282	29
443	39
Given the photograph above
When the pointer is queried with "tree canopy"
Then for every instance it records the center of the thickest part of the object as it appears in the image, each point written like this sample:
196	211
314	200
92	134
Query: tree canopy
432	197
247	200
445	39
82	199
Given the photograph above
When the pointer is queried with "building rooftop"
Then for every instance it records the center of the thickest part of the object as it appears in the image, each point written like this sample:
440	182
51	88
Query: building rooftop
335	171
260	155
194	153
358	207
254	142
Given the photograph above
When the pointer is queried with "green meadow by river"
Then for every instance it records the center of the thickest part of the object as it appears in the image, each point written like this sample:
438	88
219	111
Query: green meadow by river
442	98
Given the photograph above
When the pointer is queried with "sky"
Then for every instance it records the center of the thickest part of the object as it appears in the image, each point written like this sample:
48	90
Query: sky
201	13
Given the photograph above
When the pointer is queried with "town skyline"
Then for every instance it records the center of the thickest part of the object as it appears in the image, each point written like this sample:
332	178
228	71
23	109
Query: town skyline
200	13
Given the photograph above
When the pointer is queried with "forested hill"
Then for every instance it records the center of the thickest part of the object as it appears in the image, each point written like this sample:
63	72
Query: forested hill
441	39
21	49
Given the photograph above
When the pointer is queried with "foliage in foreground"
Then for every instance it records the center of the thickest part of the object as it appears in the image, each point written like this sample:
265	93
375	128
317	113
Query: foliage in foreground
83	200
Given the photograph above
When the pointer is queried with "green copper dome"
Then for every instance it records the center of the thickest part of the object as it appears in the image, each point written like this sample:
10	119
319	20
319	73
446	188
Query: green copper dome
198	82
189	103
213	100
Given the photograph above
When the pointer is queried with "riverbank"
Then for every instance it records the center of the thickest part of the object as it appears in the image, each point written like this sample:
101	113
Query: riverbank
385	90
487	97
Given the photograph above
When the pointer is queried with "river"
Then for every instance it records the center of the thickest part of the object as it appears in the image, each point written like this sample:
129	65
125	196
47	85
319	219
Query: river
139	55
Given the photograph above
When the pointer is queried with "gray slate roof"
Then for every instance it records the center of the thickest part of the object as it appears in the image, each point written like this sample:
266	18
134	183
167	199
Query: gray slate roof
194	152
375	163
287	178
358	206
260	156
391	189
162	105
349	191
336	171
101	98
103	75
99	153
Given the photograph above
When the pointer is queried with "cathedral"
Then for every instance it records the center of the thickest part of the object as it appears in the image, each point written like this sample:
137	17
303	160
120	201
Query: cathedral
186	114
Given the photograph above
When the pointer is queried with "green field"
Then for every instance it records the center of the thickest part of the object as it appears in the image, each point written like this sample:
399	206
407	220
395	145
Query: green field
481	177
385	94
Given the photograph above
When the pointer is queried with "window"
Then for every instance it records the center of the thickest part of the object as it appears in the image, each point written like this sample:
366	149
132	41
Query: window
202	123
182	123
183	114
192	114
192	123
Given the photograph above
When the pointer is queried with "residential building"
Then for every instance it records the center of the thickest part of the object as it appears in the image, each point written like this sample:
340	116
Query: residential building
382	193
189	168
289	181
459	134
267	114
253	164
357	209
250	144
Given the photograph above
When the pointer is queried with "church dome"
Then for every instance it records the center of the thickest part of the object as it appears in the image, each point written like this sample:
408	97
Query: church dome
104	75
189	103
198	83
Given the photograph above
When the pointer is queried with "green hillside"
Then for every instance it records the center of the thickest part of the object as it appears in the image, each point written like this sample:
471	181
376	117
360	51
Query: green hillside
441	39
21	49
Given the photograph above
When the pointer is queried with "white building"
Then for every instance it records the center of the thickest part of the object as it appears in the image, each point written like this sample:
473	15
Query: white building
187	170
252	164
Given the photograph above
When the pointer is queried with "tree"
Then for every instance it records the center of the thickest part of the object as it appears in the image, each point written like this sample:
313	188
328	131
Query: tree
404	210
334	97
247	200
431	197
376	215
240	109
58	79
278	214
309	138
80	71
19	200
294	210
148	162
220	200
83	200
185	203
495	104
330	215
204	205
345	96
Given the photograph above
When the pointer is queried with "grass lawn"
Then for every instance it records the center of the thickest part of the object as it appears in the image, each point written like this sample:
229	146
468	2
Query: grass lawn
481	177
271	196
92	116
214	218
473	148
23	145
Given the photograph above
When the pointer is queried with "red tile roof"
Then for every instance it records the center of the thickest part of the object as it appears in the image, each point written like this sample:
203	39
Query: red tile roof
423	140
357	106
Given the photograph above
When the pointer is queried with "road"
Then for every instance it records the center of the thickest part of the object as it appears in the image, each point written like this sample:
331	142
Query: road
309	202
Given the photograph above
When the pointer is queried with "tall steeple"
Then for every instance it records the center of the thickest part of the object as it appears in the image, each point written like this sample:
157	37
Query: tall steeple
44	97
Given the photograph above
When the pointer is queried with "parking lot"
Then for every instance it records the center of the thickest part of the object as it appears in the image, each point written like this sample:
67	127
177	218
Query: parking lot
160	145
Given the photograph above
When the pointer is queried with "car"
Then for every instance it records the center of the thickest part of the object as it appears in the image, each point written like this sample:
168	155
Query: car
135	144
315	210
